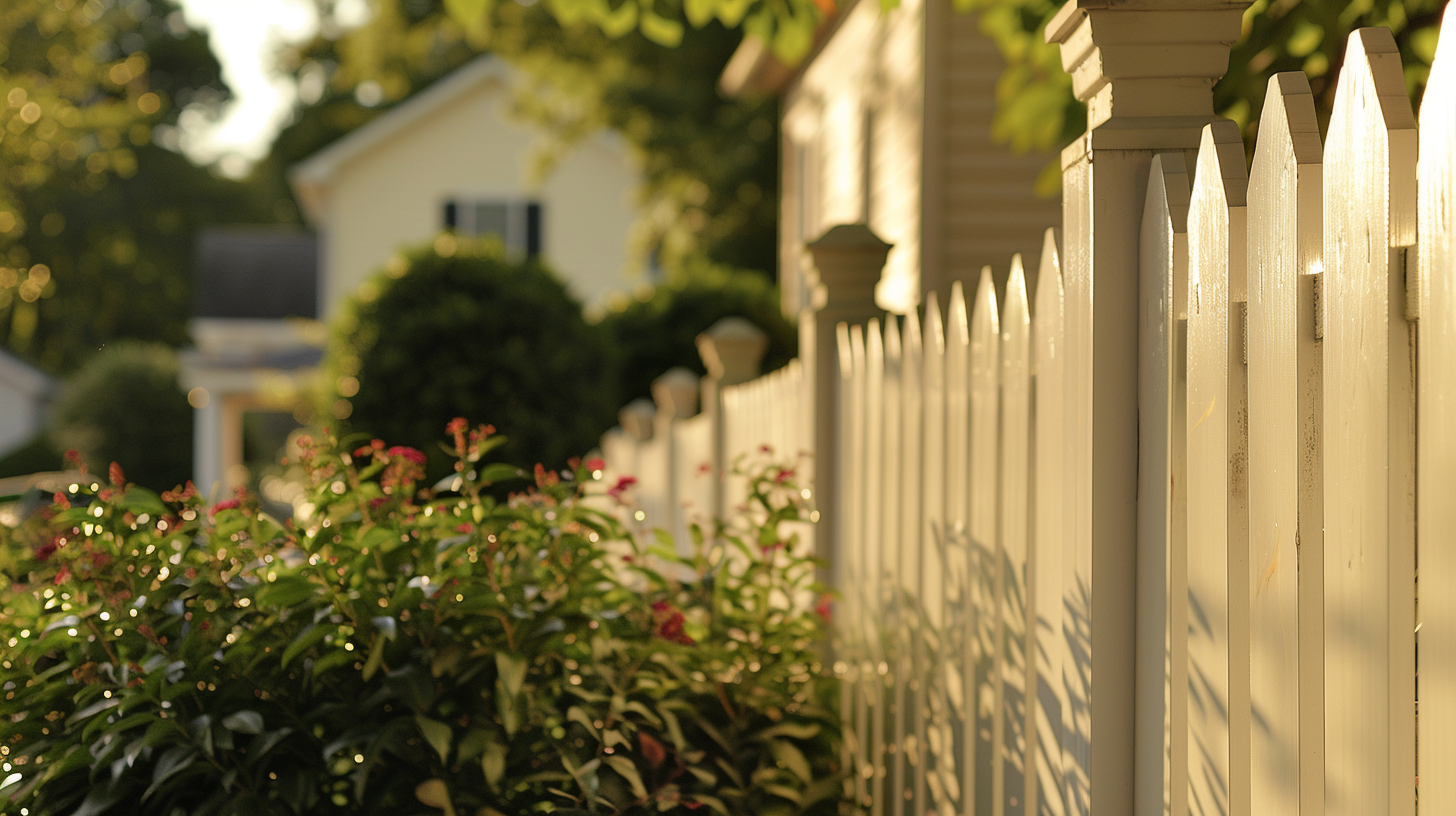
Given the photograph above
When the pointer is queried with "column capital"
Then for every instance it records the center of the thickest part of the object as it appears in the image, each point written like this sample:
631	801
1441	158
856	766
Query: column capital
1146	68
732	350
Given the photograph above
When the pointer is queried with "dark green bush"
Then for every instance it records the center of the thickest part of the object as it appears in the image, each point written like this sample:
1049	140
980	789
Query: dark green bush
36	456
471	334
124	405
403	651
660	332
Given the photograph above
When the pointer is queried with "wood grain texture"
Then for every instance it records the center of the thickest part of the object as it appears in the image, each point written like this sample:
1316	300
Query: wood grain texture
1286	554
1369	211
1218	605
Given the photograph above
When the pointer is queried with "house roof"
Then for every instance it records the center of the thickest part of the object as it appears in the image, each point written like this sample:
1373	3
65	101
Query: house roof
755	70
256	272
312	176
21	376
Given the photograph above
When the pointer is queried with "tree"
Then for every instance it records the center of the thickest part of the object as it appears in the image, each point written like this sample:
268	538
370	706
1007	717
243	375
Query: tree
98	212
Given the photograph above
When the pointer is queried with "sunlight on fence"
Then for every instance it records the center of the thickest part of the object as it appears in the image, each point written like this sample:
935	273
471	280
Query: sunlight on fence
1291	318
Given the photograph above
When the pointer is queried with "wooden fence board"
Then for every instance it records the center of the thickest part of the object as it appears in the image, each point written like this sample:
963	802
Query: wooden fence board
1162	657
981	660
1047	657
1218	712
912	416
855	483
842	568
873	545
942	781
1286	518
1437	531
897	657
960	565
1369	211
1014	477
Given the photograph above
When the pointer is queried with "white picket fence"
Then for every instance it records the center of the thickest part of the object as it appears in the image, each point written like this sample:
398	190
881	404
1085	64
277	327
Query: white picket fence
1295	460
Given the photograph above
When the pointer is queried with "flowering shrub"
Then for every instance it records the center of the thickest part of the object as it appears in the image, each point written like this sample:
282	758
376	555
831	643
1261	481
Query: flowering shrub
405	650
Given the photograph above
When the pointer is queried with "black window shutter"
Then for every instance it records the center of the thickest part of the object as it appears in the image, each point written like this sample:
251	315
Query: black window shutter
533	230
452	217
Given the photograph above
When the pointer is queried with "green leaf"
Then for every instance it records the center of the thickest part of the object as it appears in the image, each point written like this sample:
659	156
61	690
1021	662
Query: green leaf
661	30
244	722
288	590
173	762
500	472
628	771
512	672
788	755
493	763
437	734
433	792
305	639
794	730
376	656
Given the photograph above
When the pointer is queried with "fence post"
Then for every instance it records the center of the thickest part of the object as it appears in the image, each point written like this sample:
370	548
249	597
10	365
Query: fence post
732	350
848	259
676	394
1146	69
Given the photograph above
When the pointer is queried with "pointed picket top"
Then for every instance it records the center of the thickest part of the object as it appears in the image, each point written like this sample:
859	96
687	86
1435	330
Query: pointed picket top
1162	658
1437	534
1219	728
1048	309
1051	564
1369	480
1285	510
1016	311
846	358
934	328
957	417
985	331
893	345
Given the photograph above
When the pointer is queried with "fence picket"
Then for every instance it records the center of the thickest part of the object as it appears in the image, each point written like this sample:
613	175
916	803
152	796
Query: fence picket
1015	480
854	482
1162	659
895	623
1285	513
1369	211
1217	496
961	568
1437	532
982	658
1048	658
942	781
873	545
912	415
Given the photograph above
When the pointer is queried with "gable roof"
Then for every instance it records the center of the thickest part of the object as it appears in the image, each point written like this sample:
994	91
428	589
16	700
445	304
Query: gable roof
311	176
24	378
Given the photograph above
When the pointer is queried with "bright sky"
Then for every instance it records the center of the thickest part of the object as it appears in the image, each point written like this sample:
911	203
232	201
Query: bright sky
244	34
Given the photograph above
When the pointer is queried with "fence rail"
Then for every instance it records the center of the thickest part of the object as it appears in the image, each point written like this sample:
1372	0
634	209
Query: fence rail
1295	347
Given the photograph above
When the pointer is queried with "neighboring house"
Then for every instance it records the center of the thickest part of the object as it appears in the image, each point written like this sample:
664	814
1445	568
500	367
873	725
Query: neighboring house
448	158
888	122
25	395
451	158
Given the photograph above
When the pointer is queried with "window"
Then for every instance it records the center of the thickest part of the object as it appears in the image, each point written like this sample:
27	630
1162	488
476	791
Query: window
516	223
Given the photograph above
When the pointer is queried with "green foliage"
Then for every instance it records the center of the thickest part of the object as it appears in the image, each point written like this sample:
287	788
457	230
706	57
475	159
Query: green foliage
407	651
124	405
471	334
660	331
98	213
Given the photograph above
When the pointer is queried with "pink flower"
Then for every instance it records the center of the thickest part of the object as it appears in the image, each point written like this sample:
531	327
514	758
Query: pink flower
411	454
456	425
824	608
670	624
230	504
623	483
784	475
595	464
115	474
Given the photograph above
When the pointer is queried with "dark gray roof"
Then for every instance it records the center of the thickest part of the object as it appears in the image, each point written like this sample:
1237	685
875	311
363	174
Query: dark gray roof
256	272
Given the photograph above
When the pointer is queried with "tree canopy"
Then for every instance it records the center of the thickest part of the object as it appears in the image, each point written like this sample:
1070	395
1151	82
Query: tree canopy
98	211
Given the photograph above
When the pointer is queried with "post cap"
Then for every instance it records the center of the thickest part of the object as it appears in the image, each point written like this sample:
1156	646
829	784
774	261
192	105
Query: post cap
636	418
732	350
676	393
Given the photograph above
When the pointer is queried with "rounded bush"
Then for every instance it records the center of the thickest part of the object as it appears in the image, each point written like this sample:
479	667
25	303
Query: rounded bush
659	332
124	405
471	334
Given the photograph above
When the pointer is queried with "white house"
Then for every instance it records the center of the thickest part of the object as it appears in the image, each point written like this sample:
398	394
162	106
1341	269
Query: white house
449	158
25	393
888	123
